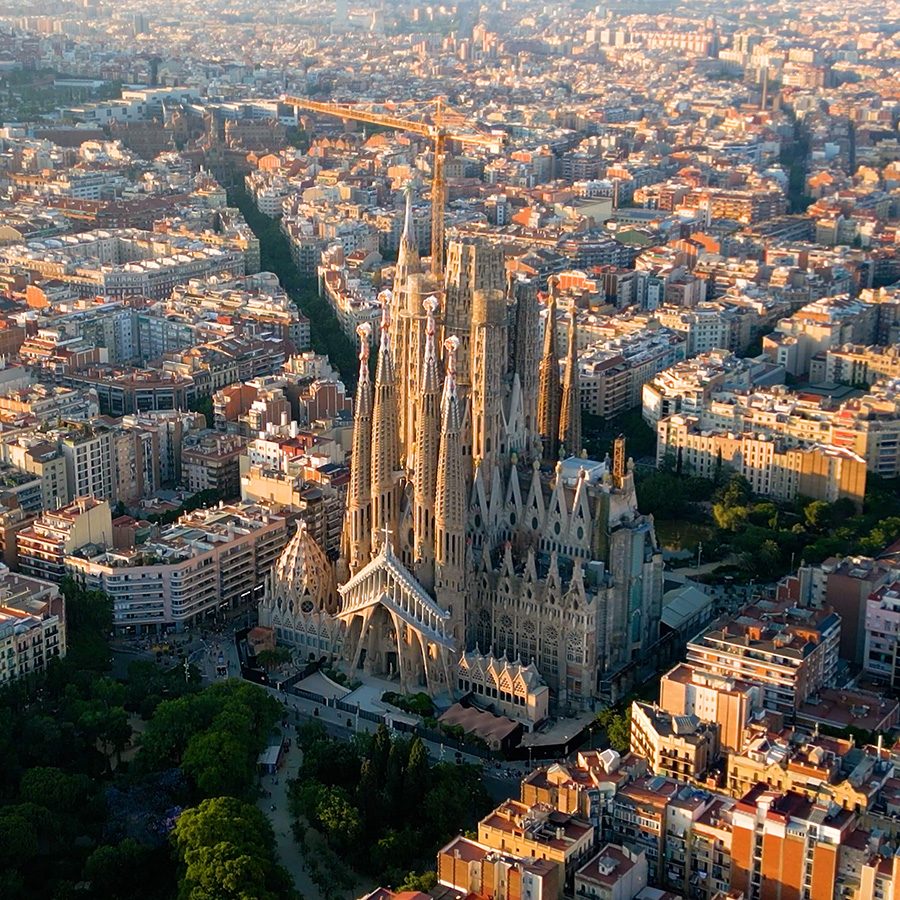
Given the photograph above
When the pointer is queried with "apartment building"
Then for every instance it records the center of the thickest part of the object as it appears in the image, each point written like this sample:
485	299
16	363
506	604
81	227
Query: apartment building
824	324
120	263
171	428
845	584
320	506
210	461
867	425
13	519
808	767
687	386
790	651
706	327
709	849
881	653
472	868
746	206
39	403
44	546
730	703
615	873
585	786
786	840
639	819
773	468
256	304
209	562
676	746
539	832
612	372
125	390
90	457
855	364
32	625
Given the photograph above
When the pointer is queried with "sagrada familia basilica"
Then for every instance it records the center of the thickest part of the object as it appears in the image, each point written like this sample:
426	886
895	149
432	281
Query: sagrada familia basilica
482	553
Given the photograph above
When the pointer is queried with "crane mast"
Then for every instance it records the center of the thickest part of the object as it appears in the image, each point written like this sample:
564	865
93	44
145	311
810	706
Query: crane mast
438	132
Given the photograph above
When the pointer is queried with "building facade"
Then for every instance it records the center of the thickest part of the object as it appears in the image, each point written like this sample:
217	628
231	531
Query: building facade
464	529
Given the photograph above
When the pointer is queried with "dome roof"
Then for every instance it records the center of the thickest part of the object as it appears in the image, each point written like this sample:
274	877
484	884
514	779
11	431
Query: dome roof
303	573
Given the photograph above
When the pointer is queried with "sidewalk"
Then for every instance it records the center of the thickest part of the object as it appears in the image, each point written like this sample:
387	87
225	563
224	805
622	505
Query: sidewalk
289	852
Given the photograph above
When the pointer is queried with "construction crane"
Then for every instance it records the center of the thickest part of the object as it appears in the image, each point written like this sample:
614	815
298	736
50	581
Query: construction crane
446	124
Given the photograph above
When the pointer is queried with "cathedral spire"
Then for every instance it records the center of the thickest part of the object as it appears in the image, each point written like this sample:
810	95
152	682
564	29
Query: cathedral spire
549	396
525	355
385	431
358	521
450	500
570	415
405	348
428	425
408	251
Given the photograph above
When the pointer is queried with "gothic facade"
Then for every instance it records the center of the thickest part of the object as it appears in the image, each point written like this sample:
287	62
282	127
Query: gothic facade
473	523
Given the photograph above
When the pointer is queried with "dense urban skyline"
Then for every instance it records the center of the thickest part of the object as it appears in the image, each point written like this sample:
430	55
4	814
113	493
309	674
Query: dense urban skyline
450	452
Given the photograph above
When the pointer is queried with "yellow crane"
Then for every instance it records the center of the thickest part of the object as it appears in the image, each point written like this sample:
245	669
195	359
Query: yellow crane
446	125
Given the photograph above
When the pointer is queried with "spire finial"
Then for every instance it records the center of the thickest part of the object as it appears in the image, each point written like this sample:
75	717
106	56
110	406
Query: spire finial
408	213
385	297
553	286
451	345
431	305
364	332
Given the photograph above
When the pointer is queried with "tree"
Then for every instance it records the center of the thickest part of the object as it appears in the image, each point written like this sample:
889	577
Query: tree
381	748
396	766
369	798
86	609
728	517
219	763
737	492
226	846
768	557
108	726
54	789
113	871
413	882
415	779
817	515
242	714
338	817
617	724
662	494
19	833
271	659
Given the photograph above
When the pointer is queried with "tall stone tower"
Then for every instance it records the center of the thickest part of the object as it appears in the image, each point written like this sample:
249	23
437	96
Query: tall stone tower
549	396
428	429
570	414
525	344
405	348
385	435
471	266
450	505
358	518
488	367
